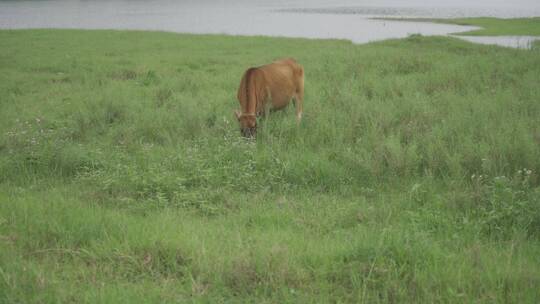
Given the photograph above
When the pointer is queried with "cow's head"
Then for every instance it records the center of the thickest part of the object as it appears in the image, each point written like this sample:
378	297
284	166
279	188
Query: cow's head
248	124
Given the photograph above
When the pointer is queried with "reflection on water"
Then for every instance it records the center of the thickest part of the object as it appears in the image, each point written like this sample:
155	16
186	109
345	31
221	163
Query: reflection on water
340	19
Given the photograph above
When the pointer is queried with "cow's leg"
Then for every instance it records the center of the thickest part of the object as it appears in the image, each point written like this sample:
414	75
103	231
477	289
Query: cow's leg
299	99
266	103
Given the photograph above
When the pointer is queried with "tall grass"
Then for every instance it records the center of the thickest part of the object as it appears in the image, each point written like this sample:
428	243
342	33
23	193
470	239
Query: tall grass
412	178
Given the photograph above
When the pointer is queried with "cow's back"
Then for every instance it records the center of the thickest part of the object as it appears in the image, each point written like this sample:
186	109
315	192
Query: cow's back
282	81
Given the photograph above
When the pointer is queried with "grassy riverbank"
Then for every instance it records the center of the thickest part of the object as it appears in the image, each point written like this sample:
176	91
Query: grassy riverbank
489	26
414	176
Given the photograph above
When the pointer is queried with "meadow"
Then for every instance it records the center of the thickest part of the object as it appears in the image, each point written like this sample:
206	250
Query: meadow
413	177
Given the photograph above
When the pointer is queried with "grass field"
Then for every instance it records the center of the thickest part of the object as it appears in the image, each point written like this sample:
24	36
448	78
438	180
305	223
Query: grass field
414	176
489	26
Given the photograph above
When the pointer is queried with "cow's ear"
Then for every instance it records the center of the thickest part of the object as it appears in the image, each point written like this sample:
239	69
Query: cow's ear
237	114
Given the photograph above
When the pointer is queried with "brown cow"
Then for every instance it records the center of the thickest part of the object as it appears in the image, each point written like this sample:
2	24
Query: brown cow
269	87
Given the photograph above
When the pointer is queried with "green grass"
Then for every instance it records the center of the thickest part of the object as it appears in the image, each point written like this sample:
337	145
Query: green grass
489	26
501	27
123	178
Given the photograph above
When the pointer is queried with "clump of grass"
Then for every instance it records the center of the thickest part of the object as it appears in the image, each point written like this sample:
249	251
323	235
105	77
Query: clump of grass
507	204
